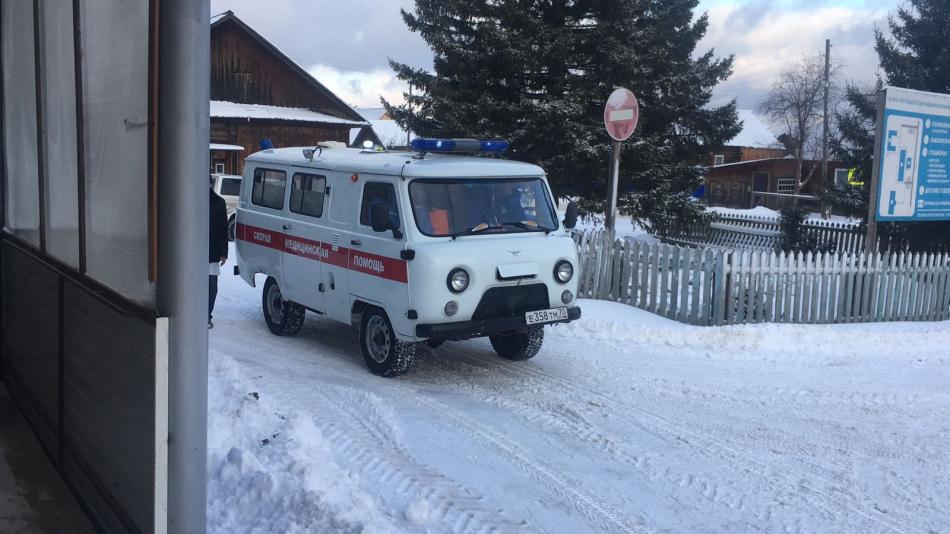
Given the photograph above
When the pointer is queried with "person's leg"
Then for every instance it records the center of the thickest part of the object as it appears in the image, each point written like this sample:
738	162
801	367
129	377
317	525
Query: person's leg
212	293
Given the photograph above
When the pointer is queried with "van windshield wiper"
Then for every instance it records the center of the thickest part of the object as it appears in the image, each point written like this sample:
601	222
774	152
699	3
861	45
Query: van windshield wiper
480	227
531	226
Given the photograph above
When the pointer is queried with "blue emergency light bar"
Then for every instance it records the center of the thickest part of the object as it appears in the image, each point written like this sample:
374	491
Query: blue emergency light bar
422	144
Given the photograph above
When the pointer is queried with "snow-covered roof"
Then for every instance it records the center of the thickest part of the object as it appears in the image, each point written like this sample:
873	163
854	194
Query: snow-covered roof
371	114
754	134
222	109
222	146
390	133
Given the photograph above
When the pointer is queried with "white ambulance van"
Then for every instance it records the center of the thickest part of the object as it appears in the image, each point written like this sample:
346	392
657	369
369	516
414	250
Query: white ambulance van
413	247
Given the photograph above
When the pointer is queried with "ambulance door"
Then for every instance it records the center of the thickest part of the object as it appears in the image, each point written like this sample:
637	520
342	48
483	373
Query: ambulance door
260	226
337	234
304	252
377	272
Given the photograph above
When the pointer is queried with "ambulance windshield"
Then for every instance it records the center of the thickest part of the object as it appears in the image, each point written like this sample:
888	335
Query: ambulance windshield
459	206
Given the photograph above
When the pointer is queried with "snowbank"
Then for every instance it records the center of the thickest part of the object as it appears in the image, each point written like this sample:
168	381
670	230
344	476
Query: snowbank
619	324
768	213
273	473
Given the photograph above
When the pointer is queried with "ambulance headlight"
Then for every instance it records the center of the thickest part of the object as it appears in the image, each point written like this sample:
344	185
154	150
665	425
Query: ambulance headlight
457	280
567	296
563	271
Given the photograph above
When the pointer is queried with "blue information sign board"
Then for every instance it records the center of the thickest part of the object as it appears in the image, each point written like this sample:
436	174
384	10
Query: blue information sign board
914	162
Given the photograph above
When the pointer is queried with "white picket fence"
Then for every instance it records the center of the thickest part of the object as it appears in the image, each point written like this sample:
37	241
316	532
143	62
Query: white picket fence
717	286
755	232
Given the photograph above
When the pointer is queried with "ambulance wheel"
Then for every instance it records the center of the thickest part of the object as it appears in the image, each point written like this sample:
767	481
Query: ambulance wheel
384	354
520	346
232	228
284	318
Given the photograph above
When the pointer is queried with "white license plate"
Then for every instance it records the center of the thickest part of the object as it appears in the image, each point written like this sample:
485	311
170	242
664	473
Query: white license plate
545	316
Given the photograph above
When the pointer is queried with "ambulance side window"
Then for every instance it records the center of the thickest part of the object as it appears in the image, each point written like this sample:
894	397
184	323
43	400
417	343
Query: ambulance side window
306	194
269	187
375	193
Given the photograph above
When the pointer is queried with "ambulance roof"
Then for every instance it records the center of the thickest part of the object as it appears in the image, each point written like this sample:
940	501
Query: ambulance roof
396	163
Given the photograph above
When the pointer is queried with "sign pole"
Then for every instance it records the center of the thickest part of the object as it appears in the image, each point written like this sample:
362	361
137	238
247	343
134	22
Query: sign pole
870	244
612	180
621	114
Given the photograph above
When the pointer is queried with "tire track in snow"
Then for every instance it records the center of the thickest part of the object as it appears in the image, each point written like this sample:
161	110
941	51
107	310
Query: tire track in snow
602	440
369	445
582	500
708	444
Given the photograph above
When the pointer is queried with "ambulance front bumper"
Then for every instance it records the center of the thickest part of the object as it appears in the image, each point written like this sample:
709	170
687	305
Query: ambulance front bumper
483	327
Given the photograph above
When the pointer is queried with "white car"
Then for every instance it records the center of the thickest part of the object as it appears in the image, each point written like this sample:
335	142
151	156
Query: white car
229	187
411	246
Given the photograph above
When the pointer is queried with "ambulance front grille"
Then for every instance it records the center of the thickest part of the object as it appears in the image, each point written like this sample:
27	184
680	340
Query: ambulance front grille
512	301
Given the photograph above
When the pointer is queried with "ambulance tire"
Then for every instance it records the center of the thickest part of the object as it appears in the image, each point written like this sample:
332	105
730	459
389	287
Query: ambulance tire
232	228
383	353
283	317
520	346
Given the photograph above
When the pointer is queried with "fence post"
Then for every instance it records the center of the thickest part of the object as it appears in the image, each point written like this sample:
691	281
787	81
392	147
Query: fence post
663	304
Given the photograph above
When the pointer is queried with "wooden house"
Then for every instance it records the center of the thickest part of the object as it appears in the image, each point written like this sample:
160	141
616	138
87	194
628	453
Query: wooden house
258	94
753	170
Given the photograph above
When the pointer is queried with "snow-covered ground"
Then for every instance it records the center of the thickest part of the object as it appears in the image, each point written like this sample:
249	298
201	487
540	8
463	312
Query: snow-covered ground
625	422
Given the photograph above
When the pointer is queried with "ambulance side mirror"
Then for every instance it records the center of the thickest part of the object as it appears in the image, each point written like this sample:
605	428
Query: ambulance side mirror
379	217
570	215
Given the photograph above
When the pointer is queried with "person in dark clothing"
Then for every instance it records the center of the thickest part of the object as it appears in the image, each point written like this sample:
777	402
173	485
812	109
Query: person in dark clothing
218	245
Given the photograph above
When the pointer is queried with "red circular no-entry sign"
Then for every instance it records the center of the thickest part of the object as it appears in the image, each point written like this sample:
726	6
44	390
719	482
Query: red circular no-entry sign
621	114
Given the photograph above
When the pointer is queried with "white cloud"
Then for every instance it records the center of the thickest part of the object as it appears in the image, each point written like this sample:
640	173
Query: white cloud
360	88
766	40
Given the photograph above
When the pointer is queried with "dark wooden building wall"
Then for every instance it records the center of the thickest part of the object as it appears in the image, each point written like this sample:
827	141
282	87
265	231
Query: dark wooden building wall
243	70
281	133
735	154
732	186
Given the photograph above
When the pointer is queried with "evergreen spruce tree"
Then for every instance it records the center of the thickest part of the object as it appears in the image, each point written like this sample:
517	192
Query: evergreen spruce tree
537	73
914	56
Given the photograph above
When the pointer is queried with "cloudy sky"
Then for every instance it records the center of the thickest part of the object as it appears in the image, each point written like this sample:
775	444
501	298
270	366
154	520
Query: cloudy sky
346	45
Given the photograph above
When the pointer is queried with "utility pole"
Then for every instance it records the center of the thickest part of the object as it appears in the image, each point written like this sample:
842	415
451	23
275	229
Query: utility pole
409	107
824	136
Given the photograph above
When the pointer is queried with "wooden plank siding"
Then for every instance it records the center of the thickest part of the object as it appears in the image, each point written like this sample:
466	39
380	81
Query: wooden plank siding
716	286
247	69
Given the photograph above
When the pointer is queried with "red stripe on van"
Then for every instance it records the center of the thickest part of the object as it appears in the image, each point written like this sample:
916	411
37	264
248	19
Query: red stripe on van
382	266
354	260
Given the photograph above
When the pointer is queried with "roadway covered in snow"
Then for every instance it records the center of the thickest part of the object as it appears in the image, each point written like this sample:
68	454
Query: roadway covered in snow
624	422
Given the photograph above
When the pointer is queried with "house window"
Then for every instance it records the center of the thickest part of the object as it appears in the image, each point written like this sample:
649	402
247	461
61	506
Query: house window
786	186
718	159
760	181
219	168
269	187
841	178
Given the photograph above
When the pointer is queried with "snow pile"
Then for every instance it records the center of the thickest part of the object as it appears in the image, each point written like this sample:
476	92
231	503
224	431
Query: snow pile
268	472
620	324
626	228
758	211
768	213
